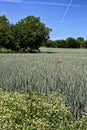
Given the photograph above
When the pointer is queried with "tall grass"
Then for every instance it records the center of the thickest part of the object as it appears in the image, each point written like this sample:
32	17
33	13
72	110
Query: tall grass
42	73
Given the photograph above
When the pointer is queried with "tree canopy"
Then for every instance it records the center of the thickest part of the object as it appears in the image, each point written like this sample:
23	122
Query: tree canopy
31	33
4	29
27	34
69	42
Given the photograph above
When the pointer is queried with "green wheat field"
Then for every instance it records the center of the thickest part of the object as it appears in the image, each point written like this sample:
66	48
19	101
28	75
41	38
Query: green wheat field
44	91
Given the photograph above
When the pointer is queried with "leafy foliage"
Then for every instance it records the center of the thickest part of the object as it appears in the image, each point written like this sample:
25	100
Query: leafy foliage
26	35
31	33
70	42
4	32
32	111
61	44
80	41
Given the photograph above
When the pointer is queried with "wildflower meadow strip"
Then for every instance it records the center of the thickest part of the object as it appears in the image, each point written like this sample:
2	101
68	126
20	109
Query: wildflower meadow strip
32	111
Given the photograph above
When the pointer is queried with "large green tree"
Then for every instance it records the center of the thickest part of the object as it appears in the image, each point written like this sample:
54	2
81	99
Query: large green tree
80	41
4	32
51	43
71	43
61	43
85	44
13	36
30	33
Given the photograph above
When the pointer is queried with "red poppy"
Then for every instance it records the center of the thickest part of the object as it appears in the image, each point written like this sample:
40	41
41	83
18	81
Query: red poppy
59	62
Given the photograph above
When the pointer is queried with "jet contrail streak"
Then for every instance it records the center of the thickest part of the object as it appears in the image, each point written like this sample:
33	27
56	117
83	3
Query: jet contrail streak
11	1
44	3
61	21
76	21
54	4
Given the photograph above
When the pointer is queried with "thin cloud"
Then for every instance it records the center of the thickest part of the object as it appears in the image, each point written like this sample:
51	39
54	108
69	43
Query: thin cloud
61	21
51	3
77	20
73	21
11	0
43	3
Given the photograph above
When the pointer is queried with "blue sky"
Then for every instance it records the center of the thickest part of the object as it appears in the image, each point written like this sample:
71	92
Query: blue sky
67	18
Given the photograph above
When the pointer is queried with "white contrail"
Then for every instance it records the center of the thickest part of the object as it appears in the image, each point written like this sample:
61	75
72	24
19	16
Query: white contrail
11	0
61	21
44	3
54	4
76	21
36	3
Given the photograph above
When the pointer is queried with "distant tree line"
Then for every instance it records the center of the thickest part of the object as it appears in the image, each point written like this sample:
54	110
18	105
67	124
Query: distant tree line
28	34
70	42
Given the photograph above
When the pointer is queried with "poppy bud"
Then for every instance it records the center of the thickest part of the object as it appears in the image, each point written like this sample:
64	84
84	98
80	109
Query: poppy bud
59	62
